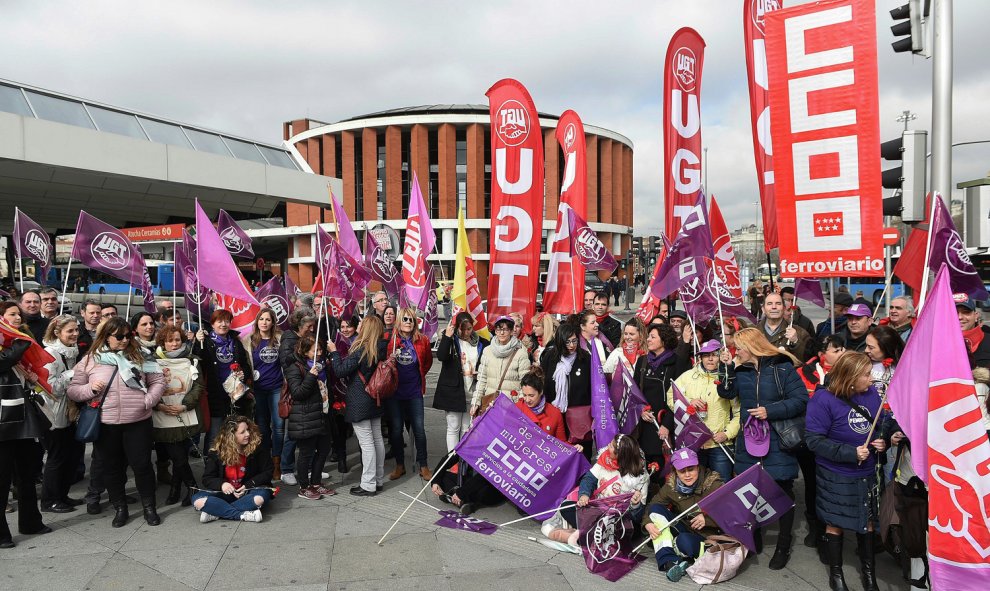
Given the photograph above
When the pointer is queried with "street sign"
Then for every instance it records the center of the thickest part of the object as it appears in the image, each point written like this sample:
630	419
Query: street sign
891	236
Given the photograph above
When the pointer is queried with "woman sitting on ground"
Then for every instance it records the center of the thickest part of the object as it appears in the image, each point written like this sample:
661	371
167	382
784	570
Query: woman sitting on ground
534	405
237	479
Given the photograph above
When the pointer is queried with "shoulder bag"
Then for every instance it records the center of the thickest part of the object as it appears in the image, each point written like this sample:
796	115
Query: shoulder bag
487	400
721	561
790	432
384	380
88	426
285	396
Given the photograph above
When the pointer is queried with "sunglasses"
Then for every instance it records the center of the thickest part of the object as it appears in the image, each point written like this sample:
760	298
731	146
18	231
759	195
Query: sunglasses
122	336
408	319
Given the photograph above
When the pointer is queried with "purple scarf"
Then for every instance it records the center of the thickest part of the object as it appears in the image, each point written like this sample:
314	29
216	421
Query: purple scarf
654	360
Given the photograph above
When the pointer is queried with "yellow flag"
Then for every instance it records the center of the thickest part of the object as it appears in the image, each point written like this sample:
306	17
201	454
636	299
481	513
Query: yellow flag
465	293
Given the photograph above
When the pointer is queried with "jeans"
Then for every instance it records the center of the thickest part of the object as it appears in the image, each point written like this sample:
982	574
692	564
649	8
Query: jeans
288	454
369	436
687	544
227	506
266	415
457	425
125	445
398	411
716	459
215	424
60	467
313	452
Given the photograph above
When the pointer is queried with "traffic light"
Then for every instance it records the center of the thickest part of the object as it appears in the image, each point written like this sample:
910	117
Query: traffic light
655	245
912	17
910	177
637	246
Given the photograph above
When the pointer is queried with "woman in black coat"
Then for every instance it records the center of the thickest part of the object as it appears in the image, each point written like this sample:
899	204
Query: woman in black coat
459	355
655	372
222	353
309	425
567	383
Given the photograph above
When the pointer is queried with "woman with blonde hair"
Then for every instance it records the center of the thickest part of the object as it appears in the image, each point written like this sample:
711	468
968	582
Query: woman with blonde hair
415	358
769	390
262	348
237	479
632	345
61	341
544	328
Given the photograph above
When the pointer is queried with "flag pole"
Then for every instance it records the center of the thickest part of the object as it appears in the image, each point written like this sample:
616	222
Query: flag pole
20	265
928	249
130	291
669	523
562	506
831	301
65	285
443	465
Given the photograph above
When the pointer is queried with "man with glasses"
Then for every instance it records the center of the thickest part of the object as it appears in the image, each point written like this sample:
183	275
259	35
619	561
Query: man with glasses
379	301
30	306
107	311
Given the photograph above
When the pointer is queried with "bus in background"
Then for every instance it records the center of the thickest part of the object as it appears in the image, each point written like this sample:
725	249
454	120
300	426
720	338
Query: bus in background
871	288
161	273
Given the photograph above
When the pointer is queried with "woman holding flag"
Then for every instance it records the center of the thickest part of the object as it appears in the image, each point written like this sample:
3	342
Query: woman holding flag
654	373
222	354
459	353
840	431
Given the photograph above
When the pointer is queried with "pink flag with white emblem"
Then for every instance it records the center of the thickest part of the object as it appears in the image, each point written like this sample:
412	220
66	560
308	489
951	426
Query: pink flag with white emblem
219	272
419	243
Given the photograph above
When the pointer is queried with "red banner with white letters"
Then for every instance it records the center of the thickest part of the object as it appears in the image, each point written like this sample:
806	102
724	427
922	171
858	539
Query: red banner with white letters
564	290
754	29
725	256
824	112
517	201
682	125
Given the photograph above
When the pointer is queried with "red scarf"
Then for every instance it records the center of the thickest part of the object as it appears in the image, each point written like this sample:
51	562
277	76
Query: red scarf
632	352
601	319
973	337
608	460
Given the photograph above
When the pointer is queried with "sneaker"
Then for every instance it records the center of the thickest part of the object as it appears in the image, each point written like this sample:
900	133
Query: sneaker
324	475
677	571
325	490
289	478
252	516
205	517
309	493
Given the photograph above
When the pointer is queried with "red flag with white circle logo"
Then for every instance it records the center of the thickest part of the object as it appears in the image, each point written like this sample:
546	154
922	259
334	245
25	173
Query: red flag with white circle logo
725	257
565	273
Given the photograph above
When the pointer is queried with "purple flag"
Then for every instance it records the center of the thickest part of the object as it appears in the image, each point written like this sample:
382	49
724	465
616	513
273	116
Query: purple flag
606	533
341	276
454	520
689	430
223	277
345	231
602	414
186	281
418	245
238	243
686	258
381	266
702	295
431	318
291	290
809	290
947	247
100	246
751	499
272	295
31	241
147	292
585	245
627	399
533	469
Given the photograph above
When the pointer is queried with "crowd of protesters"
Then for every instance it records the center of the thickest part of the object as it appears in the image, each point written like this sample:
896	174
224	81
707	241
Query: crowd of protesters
275	407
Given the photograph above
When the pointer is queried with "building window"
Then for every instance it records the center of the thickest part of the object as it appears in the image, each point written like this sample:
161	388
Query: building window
460	169
382	175
338	170
433	159
488	173
358	178
598	185
406	138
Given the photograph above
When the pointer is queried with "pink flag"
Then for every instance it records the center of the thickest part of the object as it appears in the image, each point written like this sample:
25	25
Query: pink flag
810	290
222	275
949	446
420	239
345	231
236	240
291	290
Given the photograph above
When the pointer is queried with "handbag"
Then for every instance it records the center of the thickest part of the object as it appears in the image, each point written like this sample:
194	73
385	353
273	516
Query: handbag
88	426
487	400
721	561
790	432
578	421
285	397
384	381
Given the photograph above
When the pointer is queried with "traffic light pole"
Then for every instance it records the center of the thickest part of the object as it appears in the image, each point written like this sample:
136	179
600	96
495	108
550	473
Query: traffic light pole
942	99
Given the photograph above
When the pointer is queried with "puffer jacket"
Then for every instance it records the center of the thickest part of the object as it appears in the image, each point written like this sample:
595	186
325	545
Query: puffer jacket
60	375
723	415
772	383
514	365
287	348
123	404
360	405
306	418
678	503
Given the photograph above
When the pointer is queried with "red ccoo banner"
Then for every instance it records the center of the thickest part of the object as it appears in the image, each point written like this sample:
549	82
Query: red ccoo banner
565	275
682	125
824	112
517	201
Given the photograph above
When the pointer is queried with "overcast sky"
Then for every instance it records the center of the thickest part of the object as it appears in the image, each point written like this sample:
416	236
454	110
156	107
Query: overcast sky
246	67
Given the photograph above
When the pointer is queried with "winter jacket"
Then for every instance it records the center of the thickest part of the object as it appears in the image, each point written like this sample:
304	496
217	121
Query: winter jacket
723	415
219	400
59	376
123	404
287	348
668	496
779	338
852	344
257	470
36	324
773	384
981	356
812	373
424	354
578	381
654	384
514	364
23	419
611	328
904	330
360	405
306	417
610	483
450	394
550	420
190	399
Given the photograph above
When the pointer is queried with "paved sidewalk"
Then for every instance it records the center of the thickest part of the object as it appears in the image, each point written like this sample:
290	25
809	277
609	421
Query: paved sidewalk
331	545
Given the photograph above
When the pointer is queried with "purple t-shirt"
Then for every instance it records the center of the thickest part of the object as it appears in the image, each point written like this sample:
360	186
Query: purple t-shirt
410	386
268	372
836	420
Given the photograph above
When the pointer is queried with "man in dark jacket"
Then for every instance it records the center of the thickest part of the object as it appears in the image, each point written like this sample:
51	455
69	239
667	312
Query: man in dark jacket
30	305
859	320
608	325
974	332
840	305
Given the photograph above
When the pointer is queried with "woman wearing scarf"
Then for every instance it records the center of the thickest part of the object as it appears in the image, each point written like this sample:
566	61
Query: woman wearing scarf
459	353
654	373
884	348
534	405
567	370
61	339
133	387
21	424
838	423
415	357
503	364
143	328
177	418
262	348
587	322
721	416
814	370
308	420
632	347
222	354
544	329
346	335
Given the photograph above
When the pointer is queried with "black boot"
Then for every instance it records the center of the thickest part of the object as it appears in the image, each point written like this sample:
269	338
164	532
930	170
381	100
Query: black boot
814	530
758	540
342	464
867	561
174	492
120	514
187	500
781	554
836	581
823	548
150	513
